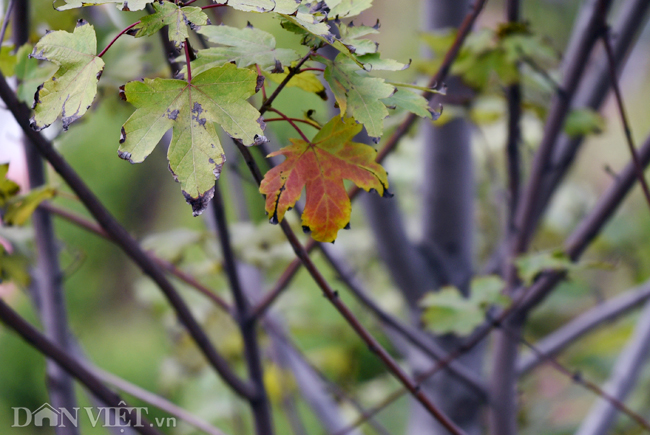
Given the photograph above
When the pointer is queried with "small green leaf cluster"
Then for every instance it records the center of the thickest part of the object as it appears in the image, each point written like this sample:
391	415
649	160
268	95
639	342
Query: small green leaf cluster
448	311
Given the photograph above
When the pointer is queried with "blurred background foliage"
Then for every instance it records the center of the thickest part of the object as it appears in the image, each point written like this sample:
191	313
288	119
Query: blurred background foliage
124	326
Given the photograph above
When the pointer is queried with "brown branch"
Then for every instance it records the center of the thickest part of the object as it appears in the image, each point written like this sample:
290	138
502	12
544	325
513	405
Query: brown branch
88	225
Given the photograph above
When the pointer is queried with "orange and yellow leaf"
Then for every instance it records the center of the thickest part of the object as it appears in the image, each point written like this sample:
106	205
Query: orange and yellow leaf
320	167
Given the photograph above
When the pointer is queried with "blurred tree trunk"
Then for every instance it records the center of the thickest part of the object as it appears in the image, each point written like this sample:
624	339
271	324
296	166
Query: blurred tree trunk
444	255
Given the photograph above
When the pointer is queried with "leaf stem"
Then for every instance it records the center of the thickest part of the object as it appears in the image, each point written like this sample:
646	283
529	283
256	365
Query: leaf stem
110	44
292	72
304	121
259	73
311	69
290	121
186	46
213	6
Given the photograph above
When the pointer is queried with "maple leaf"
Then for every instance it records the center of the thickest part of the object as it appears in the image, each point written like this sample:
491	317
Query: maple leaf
177	18
249	5
30	74
320	167
410	101
350	35
190	109
124	5
347	8
72	89
247	46
305	80
357	94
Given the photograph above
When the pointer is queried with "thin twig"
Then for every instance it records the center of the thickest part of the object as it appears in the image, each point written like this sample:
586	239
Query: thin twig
583	324
611	60
291	122
414	336
304	121
292	72
110	44
88	225
579	379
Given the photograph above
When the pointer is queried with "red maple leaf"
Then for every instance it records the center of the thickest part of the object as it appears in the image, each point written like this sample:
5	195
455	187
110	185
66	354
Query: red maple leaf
321	166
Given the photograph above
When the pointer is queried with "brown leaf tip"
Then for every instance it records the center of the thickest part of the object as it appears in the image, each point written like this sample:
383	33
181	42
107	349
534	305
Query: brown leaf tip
122	93
124	155
200	203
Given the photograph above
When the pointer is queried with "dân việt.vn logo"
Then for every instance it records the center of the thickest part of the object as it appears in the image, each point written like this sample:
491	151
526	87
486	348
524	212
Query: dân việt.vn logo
116	417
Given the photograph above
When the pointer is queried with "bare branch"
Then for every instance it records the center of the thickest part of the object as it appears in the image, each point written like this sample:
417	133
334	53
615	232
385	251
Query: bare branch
622	381
585	323
416	337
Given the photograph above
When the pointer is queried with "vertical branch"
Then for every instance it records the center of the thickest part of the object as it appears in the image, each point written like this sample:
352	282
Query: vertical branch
259	401
47	283
513	96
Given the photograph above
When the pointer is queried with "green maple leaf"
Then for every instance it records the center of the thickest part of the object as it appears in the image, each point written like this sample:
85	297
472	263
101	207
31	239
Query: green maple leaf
190	109
72	89
357	94
286	7
410	101
124	5
249	5
374	62
447	311
247	46
347	8
306	81
177	18
8	189
30	74
350	35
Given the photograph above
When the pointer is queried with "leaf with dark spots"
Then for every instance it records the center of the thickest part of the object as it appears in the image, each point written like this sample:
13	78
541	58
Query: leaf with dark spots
320	167
176	18
72	89
195	155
